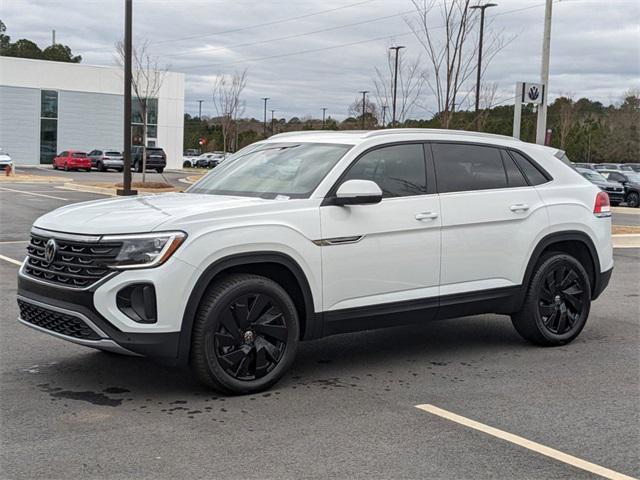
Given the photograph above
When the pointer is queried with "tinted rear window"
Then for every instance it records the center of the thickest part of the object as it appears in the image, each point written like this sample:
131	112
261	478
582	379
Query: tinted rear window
468	167
514	175
532	173
79	154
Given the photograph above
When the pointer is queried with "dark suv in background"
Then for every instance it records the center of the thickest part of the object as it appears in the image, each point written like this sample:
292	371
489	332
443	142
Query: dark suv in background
156	158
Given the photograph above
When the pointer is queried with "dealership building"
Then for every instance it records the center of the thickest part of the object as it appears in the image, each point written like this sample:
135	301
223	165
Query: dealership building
48	107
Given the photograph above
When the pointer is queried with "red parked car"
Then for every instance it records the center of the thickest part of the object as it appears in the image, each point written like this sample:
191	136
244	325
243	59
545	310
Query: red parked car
72	160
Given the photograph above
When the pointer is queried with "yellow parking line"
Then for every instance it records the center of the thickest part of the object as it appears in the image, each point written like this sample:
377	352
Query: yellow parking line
528	444
10	260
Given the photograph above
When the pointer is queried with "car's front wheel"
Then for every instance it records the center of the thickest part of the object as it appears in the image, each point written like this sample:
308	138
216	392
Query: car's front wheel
245	334
633	200
557	301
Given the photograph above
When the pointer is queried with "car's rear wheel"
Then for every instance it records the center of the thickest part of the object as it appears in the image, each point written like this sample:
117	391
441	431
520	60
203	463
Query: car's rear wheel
557	301
160	170
66	167
101	167
245	334
633	199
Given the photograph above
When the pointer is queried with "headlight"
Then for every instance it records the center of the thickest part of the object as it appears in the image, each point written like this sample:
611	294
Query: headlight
144	250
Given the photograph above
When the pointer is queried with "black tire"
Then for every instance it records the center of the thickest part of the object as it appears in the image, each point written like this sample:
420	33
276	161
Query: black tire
186	164
236	349
160	170
633	200
557	301
615	204
66	167
101	167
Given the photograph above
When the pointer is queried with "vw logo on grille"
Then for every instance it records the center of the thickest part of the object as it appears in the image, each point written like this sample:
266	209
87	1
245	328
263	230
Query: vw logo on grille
50	250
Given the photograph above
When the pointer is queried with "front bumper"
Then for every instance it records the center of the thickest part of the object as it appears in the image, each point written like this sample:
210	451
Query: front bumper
91	317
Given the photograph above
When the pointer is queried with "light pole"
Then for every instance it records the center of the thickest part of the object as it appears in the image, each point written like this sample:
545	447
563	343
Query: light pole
199	109
126	180
324	112
541	128
395	85
264	125
482	8
364	103
272	124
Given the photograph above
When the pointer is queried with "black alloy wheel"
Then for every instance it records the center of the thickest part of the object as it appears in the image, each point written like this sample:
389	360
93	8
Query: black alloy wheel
245	334
557	301
251	337
562	299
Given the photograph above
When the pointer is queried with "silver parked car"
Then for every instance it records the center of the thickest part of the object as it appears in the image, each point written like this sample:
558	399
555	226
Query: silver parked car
5	160
103	159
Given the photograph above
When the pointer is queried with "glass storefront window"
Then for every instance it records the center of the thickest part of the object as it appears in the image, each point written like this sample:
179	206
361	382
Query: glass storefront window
48	104
137	107
48	139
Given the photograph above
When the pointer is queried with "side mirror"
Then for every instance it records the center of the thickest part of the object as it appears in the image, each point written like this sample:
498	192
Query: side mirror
357	192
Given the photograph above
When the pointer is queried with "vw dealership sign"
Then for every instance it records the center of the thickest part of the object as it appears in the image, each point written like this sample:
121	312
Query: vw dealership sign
532	93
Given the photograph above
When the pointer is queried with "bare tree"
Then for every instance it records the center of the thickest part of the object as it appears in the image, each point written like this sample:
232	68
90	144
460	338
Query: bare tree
146	81
567	117
227	90
411	81
370	111
488	100
451	49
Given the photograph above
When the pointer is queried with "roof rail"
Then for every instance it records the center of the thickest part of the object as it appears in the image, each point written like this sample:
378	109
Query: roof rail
317	132
439	131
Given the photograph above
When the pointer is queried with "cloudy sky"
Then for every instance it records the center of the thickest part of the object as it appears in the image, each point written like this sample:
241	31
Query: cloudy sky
309	54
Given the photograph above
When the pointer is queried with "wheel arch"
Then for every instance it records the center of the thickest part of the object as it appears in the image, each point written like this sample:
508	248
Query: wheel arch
278	266
575	243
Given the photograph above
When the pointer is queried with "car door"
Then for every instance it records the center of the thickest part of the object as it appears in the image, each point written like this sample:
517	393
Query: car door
491	214
387	254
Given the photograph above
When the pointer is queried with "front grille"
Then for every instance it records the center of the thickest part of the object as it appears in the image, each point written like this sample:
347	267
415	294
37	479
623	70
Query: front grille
56	322
75	265
614	189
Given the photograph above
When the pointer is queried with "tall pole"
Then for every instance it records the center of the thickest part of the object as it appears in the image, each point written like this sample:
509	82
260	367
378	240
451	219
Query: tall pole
479	69
324	112
272	124
364	104
541	128
53	37
200	109
395	85
264	125
126	181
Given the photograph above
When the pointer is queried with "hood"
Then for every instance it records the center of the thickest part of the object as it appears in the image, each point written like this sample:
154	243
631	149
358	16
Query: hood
138	214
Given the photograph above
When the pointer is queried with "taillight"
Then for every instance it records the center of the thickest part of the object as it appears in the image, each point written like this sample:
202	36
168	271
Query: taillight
602	207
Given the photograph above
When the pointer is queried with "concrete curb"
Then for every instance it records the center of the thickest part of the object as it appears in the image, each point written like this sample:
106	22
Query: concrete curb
626	240
89	189
33	179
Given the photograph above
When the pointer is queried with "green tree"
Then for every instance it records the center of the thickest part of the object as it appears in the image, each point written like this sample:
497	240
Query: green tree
24	48
60	53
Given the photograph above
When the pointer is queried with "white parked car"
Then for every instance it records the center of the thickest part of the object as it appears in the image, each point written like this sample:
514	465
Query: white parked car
316	233
5	160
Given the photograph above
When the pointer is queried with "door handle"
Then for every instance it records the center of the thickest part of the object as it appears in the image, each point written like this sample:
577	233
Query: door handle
519	207
426	216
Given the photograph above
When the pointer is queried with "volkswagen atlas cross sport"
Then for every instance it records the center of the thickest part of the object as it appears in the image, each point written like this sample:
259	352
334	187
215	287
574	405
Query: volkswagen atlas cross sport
311	234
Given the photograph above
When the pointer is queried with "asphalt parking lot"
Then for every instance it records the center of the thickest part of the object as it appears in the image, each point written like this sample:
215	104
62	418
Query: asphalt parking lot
346	410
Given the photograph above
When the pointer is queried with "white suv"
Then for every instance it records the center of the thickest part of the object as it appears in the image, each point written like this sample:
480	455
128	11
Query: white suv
310	234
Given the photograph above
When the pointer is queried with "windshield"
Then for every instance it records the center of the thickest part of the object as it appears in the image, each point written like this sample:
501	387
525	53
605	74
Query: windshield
596	177
290	170
632	177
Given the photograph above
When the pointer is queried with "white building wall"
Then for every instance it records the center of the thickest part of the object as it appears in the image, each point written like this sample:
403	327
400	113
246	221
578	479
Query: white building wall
70	79
20	123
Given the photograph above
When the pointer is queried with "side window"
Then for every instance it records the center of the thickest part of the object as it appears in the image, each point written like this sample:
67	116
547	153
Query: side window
534	175
616	177
462	167
399	170
64	154
514	175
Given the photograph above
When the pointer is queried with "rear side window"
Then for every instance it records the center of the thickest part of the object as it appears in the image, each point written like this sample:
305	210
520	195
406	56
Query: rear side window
79	154
515	178
532	173
113	153
399	170
462	168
